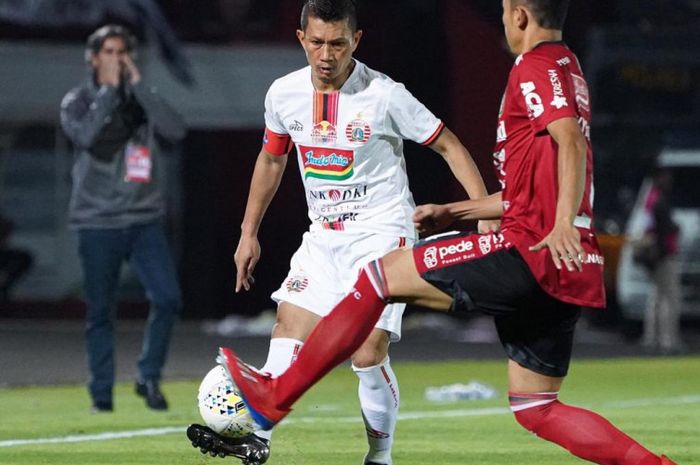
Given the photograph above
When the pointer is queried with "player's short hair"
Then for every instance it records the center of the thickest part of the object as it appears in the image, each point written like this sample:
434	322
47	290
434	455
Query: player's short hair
97	39
330	11
550	14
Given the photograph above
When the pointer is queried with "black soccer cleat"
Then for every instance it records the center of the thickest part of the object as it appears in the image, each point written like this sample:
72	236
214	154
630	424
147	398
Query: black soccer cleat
251	449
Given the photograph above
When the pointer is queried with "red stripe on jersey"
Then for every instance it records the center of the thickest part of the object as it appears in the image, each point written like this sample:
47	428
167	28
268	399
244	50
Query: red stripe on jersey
277	144
402	242
435	135
326	107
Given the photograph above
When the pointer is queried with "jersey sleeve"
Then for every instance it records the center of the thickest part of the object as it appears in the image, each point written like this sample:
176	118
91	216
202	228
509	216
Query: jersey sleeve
410	119
546	91
276	140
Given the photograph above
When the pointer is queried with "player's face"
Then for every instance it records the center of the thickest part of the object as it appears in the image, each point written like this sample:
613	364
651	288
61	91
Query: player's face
329	47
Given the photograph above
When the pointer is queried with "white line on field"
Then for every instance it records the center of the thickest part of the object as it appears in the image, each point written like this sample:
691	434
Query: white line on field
488	411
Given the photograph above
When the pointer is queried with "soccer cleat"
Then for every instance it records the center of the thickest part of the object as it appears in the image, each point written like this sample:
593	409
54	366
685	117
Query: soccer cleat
251	449
666	461
256	389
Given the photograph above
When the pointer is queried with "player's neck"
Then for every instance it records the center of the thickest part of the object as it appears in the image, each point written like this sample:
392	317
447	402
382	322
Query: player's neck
539	35
335	84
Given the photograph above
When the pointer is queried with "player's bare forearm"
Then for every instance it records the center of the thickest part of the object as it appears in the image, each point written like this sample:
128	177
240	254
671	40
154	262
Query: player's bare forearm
461	163
485	208
564	240
263	187
432	218
571	167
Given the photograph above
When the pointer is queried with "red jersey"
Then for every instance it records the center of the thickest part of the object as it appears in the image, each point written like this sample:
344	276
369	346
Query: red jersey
545	84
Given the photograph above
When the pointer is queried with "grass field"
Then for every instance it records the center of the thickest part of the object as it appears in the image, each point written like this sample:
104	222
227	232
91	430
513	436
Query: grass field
655	400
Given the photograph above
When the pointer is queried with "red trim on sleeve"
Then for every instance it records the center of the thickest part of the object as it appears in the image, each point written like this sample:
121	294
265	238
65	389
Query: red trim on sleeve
277	144
435	135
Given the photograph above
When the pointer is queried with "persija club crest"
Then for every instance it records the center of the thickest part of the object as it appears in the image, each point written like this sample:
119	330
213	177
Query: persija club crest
358	131
297	283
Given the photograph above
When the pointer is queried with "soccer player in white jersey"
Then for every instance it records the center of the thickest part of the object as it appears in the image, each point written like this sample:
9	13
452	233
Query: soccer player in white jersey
347	123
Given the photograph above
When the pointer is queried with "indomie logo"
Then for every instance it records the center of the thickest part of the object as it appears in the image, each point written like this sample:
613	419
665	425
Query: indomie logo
323	163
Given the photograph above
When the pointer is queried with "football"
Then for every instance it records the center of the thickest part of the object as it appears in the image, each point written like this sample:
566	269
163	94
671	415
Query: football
220	406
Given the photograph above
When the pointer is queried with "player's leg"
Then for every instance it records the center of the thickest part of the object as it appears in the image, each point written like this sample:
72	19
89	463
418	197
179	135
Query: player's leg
538	343
378	392
336	336
293	325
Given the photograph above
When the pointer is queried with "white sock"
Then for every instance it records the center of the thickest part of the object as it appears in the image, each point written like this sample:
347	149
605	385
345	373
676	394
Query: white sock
379	400
283	351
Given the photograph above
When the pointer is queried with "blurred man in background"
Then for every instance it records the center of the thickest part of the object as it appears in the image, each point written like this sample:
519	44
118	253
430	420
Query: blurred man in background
662	315
115	122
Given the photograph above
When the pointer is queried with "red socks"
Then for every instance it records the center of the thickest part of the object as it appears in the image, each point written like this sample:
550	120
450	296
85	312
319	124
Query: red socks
337	336
583	433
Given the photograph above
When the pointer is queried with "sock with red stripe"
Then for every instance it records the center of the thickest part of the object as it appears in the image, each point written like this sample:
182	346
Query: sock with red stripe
583	433
337	336
379	400
282	353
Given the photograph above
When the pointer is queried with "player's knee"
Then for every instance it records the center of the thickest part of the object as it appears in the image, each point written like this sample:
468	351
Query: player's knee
367	357
531	411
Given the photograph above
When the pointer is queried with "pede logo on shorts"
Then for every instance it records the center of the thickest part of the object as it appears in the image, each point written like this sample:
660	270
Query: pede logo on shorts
452	250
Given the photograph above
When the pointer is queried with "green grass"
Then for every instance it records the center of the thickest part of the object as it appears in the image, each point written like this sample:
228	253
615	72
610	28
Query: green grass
654	400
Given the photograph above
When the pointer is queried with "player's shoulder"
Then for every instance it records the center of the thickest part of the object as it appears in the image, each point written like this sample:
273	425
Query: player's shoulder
377	80
291	80
550	54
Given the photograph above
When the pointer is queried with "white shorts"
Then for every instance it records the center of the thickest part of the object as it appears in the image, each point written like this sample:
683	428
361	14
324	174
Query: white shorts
325	267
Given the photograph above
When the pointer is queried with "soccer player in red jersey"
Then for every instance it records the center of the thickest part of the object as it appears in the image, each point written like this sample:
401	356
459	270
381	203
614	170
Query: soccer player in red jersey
533	276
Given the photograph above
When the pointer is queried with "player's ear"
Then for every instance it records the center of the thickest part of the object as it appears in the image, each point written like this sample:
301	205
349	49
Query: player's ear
300	36
522	18
356	39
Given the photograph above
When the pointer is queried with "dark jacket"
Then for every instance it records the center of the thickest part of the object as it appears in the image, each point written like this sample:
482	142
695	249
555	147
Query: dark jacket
102	122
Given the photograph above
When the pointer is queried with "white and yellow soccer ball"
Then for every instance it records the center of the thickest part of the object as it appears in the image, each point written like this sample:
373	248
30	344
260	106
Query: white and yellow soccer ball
221	407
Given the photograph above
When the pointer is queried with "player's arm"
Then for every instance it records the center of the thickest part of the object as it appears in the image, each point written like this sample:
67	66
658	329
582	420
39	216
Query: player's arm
564	241
464	169
431	218
266	179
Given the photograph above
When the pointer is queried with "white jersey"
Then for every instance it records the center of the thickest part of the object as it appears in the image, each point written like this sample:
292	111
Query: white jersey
350	147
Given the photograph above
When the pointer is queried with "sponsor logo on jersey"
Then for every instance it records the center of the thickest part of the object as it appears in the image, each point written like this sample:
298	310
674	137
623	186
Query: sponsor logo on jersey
358	131
583	100
501	132
499	161
430	257
337	223
324	133
563	61
559	100
327	163
297	283
338	195
296	126
535	108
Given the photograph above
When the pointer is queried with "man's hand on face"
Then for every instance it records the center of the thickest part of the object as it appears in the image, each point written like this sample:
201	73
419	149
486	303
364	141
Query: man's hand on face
109	72
131	70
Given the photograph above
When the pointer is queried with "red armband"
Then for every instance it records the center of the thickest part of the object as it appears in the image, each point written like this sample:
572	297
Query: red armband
277	144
